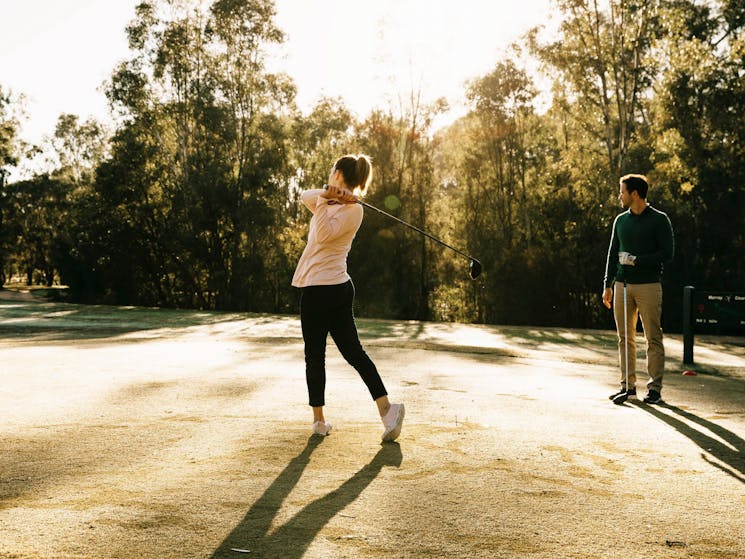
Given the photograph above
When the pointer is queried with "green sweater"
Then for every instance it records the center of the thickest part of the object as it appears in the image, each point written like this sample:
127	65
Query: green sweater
649	237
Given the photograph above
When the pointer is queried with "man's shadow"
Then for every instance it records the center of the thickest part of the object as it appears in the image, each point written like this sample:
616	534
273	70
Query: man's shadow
291	540
731	455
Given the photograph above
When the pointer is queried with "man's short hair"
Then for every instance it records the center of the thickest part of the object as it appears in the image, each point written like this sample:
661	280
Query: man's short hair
636	182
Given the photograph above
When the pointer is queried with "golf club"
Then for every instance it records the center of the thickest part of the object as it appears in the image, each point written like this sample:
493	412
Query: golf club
621	398
626	334
474	268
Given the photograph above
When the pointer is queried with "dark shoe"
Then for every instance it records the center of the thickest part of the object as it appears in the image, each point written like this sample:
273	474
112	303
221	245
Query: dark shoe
653	397
621	396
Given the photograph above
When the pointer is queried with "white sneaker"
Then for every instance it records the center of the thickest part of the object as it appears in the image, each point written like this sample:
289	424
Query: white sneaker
322	428
393	421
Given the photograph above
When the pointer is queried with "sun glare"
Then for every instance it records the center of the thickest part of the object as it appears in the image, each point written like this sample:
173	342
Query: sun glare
377	54
371	53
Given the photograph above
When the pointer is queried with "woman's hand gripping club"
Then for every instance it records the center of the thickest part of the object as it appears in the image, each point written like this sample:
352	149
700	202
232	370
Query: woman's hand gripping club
338	195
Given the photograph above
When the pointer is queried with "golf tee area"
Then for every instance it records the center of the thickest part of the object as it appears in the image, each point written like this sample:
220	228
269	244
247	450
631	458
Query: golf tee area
134	433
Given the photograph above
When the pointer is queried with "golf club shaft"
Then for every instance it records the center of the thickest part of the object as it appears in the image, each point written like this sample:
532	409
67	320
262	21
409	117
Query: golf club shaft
409	225
626	335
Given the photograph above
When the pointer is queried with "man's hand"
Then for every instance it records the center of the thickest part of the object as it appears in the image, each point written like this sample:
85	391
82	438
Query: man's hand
626	259
608	296
338	194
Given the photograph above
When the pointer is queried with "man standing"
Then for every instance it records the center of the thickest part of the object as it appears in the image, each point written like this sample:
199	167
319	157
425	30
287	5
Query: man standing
641	243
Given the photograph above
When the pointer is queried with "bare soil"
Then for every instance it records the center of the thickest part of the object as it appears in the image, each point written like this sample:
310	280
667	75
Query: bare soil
144	433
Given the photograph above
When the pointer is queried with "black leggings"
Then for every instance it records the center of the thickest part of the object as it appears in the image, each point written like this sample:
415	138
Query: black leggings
327	309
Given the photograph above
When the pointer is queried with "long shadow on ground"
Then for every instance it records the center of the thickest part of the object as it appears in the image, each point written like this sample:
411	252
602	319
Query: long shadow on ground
730	456
40	320
56	456
291	540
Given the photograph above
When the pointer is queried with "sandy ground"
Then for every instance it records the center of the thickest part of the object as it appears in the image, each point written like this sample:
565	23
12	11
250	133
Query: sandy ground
138	433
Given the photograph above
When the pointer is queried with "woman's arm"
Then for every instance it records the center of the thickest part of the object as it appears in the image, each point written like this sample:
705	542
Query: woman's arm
310	197
330	225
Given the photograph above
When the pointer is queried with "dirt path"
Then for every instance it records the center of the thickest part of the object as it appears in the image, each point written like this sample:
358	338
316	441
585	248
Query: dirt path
134	433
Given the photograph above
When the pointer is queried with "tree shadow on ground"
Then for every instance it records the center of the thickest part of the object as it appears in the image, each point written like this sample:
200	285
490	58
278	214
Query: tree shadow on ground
527	336
39	320
292	539
729	455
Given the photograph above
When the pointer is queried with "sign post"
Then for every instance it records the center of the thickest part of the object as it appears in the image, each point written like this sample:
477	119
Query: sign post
688	336
708	312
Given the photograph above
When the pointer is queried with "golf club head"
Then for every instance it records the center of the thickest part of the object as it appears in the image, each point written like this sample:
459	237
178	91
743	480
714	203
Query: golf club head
475	268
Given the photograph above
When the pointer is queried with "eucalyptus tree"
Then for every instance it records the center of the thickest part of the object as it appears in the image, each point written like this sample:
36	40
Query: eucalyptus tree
260	111
8	159
201	158
36	211
9	127
496	153
79	147
602	70
403	272
502	103
699	131
318	139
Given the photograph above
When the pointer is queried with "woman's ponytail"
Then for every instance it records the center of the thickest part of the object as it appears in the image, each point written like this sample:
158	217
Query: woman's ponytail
356	170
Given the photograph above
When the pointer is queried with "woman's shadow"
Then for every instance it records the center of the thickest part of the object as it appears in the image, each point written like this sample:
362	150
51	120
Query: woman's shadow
731	456
291	540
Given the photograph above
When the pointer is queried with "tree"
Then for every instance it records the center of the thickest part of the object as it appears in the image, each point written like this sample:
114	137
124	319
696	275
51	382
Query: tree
699	130
8	158
405	185
199	169
603	71
491	163
502	103
36	214
8	134
79	147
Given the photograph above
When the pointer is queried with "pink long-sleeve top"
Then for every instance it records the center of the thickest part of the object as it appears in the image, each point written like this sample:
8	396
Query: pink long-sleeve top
332	230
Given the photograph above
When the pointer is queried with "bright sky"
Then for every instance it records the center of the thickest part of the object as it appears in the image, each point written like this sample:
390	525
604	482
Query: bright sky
57	53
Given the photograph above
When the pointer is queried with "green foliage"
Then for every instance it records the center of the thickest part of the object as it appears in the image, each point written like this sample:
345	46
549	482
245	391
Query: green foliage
387	253
194	200
8	132
36	215
194	193
604	71
80	148
8	158
699	157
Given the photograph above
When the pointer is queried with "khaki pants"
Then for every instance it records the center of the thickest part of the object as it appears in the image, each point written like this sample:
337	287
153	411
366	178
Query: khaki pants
645	300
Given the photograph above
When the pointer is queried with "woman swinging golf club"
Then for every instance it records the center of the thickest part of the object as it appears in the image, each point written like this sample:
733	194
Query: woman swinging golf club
327	292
